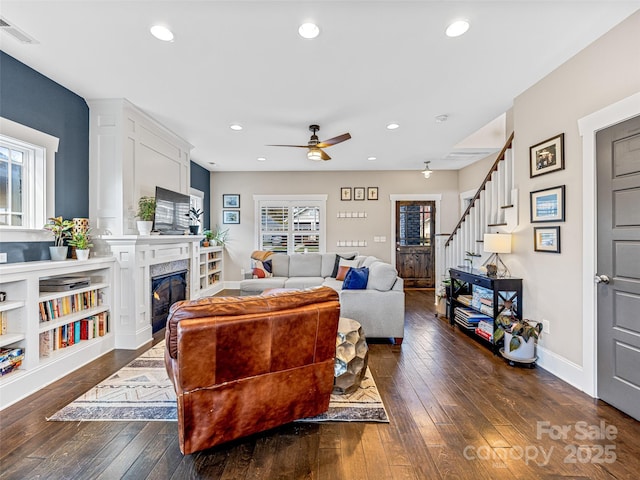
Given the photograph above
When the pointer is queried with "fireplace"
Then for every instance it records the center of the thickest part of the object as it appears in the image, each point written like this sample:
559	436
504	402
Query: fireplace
165	291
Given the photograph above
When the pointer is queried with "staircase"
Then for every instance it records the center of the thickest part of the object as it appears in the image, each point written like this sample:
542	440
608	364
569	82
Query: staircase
493	209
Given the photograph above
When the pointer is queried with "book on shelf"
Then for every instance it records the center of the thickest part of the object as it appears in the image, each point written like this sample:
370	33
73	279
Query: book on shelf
3	323
485	335
10	359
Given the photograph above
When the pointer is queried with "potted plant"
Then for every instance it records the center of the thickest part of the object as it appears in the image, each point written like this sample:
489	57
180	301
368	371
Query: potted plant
194	215
520	337
81	240
61	230
219	236
146	212
208	235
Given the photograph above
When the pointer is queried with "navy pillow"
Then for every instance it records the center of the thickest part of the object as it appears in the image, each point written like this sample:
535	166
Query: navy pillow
356	279
337	263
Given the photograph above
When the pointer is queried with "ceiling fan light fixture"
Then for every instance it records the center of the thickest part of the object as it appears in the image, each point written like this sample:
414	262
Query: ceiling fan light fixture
162	33
309	30
427	171
457	28
314	154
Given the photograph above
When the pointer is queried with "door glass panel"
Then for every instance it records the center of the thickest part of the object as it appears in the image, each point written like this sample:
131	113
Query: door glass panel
416	227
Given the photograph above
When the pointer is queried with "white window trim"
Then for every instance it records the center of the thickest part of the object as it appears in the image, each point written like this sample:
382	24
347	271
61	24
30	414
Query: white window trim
321	198
47	145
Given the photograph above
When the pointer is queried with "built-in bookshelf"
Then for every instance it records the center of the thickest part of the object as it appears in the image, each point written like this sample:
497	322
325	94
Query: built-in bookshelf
48	334
476	300
210	270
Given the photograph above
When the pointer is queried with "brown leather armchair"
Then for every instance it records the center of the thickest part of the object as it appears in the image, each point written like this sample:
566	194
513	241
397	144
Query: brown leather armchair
241	365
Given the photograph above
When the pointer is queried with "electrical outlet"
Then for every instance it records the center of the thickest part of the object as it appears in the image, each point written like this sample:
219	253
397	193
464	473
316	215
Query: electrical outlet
545	327
3	257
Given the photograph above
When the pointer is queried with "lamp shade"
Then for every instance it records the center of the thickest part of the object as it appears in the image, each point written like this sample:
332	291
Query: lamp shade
497	242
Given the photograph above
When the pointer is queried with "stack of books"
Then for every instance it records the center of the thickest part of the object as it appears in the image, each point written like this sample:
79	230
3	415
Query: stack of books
10	359
464	299
469	318
485	329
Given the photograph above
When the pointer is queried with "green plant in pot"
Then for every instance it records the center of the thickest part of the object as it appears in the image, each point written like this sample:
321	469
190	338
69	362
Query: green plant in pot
208	236
61	230
82	243
146	213
520	337
219	236
194	216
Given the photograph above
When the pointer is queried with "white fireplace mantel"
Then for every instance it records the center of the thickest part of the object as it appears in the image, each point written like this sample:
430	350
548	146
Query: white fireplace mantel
134	256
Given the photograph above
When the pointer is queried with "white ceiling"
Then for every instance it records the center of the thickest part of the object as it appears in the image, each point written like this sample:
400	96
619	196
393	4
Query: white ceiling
375	62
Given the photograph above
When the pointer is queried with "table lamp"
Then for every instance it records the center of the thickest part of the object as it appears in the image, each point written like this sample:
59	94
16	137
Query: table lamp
496	243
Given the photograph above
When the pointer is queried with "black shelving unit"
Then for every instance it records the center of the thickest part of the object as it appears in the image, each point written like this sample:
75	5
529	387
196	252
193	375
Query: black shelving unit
506	293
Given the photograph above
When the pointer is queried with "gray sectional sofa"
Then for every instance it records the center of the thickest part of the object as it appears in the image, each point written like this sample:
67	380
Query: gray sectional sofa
379	308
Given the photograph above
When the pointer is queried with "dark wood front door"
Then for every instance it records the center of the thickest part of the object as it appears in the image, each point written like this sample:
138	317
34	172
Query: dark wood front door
415	245
618	165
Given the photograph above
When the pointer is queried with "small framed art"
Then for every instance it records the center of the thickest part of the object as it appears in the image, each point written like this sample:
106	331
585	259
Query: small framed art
230	200
547	156
345	193
358	193
231	216
547	205
372	193
546	239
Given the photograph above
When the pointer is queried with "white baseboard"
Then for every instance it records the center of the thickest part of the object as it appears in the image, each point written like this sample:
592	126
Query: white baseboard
562	368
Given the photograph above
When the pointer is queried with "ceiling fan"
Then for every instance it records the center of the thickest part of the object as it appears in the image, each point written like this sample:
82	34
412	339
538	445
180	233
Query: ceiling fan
315	146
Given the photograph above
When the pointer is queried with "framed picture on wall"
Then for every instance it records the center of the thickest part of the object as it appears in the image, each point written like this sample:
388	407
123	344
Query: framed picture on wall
546	239
345	193
372	193
230	200
547	156
231	216
547	205
358	193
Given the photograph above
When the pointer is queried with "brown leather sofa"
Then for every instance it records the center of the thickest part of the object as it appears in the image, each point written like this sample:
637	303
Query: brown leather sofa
241	365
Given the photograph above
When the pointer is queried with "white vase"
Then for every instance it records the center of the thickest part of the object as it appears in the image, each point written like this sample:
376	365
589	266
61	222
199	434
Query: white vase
144	227
82	254
526	352
58	253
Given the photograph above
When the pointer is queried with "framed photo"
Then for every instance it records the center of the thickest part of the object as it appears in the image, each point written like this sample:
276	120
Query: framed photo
231	201
546	239
358	193
345	193
372	193
231	216
547	205
547	156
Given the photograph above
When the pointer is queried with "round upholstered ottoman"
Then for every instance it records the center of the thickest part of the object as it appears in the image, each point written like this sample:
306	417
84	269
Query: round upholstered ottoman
352	355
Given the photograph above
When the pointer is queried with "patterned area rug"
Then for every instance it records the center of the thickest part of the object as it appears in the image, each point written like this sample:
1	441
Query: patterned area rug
141	391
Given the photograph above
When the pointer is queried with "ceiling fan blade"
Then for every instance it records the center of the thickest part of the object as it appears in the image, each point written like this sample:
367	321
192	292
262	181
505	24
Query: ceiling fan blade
334	140
296	146
324	155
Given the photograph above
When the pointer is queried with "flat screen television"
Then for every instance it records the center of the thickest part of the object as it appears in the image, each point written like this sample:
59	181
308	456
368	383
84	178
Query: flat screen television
172	212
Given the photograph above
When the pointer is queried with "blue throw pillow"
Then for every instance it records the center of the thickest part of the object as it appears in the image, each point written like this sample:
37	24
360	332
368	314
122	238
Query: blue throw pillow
356	279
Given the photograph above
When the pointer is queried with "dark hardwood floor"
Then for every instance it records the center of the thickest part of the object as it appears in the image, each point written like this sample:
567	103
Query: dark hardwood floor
456	411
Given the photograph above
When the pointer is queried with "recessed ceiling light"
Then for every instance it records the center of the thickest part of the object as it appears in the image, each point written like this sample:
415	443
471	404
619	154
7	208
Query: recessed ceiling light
212	163
442	118
162	33
309	30
457	28
371	158
392	126
262	159
235	126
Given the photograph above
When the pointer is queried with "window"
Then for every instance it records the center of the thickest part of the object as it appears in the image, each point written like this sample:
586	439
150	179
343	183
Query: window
26	176
18	197
291	224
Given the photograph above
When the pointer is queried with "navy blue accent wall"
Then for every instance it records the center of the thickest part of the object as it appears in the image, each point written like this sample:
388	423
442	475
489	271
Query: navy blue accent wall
29	98
201	180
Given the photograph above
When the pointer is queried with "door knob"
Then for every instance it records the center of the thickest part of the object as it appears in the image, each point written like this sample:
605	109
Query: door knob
602	279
